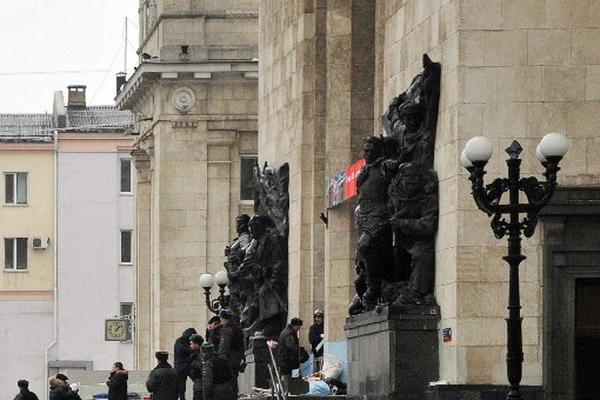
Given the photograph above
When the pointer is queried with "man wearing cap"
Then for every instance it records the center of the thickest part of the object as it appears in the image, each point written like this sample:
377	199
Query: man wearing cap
162	381
70	394
217	378
195	365
288	351
181	355
315	337
24	393
117	382
231	344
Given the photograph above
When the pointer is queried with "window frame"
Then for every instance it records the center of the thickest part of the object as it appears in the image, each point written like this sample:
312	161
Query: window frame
130	262
15	254
130	161
246	156
15	189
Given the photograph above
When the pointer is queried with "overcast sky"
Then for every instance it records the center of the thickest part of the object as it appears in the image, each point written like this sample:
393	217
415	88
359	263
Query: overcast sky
40	39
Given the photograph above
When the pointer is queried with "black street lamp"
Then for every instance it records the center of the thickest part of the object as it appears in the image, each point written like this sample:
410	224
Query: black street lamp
474	157
222	301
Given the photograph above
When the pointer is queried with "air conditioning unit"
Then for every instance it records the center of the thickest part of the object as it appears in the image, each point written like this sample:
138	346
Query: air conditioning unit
40	243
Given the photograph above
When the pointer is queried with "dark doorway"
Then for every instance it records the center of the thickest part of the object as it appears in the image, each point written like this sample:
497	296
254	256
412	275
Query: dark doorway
587	338
571	294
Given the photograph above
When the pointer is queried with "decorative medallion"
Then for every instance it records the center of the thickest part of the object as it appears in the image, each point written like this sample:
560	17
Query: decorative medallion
183	99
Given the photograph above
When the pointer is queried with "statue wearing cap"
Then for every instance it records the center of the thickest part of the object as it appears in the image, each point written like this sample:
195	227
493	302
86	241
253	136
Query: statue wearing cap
413	201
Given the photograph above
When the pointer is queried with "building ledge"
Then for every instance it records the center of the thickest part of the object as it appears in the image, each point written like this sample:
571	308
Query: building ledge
149	71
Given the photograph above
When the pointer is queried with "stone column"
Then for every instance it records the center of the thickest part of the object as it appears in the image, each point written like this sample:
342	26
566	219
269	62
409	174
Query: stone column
142	326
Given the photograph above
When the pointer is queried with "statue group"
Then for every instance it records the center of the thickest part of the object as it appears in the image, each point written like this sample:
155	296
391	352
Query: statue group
257	259
397	212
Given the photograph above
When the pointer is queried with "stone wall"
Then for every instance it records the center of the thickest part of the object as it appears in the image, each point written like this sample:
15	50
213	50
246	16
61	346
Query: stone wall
510	70
292	109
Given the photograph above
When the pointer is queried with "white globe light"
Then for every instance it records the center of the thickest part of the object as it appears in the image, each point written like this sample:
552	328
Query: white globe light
206	280
464	160
554	145
479	148
221	278
539	155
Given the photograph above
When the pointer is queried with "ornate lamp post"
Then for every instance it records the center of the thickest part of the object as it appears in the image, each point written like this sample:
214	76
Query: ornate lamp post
207	281
474	157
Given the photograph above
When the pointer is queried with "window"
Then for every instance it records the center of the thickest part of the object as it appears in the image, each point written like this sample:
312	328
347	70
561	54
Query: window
15	254
247	164
15	188
125	175
126	310
125	247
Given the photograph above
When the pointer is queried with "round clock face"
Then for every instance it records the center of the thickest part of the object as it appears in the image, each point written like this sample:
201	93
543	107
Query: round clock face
116	329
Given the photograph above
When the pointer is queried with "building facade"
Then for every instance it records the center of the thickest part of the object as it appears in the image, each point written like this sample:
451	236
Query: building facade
510	70
67	229
194	96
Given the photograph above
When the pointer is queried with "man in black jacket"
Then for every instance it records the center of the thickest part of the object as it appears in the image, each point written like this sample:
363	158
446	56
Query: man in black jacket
162	381
24	393
217	378
182	354
213	331
57	389
195	368
231	344
117	382
288	351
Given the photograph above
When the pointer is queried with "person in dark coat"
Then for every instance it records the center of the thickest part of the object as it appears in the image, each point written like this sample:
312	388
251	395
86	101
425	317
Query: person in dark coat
182	354
213	331
58	390
231	344
315	336
195	368
288	351
162	381
24	393
69	392
217	378
117	382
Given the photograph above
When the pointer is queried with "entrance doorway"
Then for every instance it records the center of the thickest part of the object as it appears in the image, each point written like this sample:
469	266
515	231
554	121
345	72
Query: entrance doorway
571	293
587	338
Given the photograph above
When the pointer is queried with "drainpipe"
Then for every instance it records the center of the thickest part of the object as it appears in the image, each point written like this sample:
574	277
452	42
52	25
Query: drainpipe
55	259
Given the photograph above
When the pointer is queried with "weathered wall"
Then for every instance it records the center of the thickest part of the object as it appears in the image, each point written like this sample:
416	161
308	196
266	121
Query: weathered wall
291	109
510	70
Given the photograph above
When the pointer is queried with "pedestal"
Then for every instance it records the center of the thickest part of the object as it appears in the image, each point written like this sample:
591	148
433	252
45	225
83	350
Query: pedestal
392	352
480	392
257	361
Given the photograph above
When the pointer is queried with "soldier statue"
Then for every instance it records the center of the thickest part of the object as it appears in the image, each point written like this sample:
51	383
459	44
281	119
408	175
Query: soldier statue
413	201
265	266
235	254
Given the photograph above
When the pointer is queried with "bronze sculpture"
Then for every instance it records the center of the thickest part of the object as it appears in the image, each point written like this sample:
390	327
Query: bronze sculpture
257	260
397	211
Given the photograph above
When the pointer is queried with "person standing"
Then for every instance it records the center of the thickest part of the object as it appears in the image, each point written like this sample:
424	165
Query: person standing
162	381
315	337
195	364
24	393
69	392
288	351
217	378
117	382
57	389
213	331
182	352
231	344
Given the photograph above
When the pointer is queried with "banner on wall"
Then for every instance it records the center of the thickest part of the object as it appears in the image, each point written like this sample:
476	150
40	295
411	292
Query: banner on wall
342	186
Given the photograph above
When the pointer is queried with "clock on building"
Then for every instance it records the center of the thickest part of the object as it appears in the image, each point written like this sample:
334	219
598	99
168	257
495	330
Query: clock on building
116	330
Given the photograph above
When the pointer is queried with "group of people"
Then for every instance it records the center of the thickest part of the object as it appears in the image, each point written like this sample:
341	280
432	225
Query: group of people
213	363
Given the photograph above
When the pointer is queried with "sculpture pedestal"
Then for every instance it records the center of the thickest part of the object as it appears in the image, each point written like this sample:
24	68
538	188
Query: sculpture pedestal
392	352
257	371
